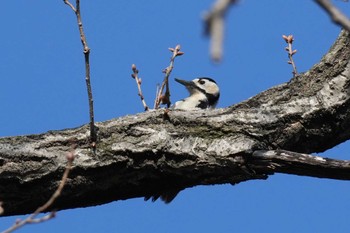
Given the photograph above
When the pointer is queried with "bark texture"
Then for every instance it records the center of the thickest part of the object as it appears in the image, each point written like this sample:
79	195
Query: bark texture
151	154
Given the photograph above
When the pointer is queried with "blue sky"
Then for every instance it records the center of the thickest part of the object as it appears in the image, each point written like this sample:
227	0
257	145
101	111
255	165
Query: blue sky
43	88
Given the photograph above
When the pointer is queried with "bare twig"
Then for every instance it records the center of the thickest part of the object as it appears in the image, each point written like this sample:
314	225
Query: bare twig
93	133
165	99
70	5
157	90
336	15
214	26
33	217
289	40
138	82
156	98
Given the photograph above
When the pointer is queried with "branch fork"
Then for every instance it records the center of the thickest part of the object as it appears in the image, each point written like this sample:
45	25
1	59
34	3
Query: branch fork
165	98
160	97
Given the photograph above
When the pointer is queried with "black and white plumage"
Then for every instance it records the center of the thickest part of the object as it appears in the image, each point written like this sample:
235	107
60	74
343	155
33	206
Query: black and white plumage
204	93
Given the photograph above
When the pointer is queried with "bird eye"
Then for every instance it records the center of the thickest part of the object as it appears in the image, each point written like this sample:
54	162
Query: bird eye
201	82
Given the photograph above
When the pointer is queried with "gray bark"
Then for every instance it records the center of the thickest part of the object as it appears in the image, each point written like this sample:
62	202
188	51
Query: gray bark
151	154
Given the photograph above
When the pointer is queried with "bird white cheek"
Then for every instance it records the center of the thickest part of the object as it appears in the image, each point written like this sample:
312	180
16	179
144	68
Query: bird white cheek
213	89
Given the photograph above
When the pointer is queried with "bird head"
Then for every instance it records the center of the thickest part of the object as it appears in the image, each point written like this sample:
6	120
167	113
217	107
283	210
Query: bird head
203	90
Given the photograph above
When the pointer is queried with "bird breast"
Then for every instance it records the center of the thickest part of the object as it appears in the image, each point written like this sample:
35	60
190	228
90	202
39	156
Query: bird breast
196	101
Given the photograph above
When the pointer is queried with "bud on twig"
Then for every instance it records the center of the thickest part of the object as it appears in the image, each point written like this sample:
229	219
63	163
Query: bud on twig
70	156
289	39
180	53
133	67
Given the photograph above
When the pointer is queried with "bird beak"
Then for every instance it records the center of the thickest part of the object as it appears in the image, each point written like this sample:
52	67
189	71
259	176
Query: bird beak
187	84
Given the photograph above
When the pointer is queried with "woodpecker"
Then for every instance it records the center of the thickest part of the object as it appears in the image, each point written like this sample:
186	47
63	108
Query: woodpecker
204	93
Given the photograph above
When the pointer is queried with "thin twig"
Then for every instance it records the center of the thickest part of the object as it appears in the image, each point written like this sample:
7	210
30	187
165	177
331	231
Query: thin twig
289	40
165	99
33	217
336	15
70	5
138	83
214	27
156	98
86	49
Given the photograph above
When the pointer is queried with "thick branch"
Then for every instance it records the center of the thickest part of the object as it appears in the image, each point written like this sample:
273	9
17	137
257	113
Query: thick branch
144	155
33	218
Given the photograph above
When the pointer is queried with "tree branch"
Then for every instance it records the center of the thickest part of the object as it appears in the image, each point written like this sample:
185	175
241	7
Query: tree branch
289	162
86	50
289	40
135	75
165	99
33	217
214	27
336	15
144	155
